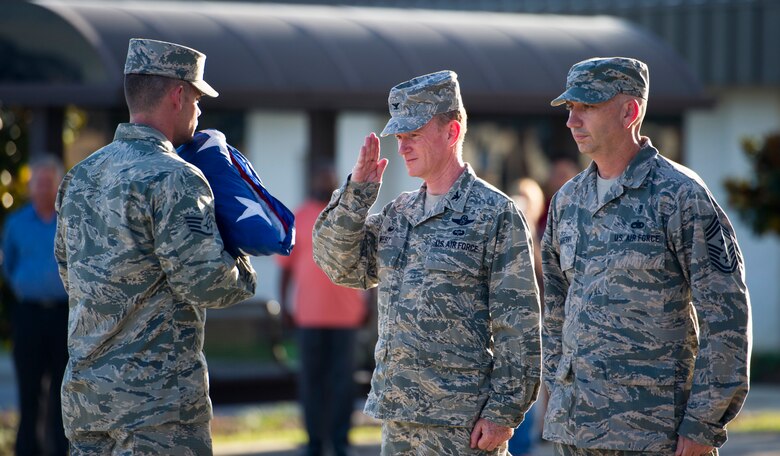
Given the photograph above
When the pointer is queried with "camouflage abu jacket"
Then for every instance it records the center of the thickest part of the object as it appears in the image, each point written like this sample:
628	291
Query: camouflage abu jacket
458	301
629	285
141	259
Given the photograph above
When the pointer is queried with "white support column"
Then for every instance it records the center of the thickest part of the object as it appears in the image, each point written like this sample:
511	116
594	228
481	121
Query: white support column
276	145
713	149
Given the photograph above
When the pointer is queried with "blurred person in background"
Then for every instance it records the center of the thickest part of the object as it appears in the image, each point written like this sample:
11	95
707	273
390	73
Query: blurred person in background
561	170
326	317
529	197
39	317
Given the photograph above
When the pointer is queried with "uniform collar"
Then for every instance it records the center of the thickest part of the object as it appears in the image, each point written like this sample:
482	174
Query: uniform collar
455	199
633	177
140	132
640	165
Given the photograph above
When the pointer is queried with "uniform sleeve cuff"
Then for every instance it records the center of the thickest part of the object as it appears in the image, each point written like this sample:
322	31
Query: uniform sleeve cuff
359	195
502	415
700	432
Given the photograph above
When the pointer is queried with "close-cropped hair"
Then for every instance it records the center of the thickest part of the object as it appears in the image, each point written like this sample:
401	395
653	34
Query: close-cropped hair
143	91
457	114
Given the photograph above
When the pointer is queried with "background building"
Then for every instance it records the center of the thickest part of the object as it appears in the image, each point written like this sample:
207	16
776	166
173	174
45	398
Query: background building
303	81
733	48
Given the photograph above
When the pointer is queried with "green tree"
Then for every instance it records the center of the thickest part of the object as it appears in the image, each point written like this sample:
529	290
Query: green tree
757	199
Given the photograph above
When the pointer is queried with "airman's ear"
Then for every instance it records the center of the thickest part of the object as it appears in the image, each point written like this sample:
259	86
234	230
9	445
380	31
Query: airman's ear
453	132
176	96
631	112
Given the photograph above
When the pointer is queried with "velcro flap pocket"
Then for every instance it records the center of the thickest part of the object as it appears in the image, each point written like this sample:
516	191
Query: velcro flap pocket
451	358
462	262
641	372
644	252
568	249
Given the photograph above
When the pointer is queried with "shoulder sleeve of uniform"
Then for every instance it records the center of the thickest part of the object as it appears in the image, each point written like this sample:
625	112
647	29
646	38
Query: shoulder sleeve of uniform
60	247
189	246
514	317
556	287
707	250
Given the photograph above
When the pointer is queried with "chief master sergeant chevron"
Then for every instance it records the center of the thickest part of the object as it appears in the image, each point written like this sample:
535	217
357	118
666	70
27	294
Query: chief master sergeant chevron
647	317
141	259
458	356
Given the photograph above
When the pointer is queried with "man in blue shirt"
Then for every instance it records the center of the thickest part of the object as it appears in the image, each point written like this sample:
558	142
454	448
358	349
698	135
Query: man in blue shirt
40	314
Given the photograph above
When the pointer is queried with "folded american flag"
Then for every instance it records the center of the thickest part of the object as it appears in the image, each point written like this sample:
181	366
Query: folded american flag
250	220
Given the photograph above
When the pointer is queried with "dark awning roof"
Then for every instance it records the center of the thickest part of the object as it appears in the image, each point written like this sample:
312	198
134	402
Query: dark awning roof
320	57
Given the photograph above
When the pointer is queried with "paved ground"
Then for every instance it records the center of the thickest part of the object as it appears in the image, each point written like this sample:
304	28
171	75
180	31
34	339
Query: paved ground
761	398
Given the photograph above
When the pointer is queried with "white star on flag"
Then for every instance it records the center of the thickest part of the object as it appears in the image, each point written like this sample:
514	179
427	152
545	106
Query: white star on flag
252	208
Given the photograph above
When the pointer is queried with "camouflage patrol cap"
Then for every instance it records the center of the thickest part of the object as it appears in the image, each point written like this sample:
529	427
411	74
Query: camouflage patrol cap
599	79
414	103
171	60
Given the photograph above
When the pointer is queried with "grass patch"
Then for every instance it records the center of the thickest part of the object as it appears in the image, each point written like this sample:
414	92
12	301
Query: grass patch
9	420
366	434
281	419
766	421
255	352
295	437
288	437
281	423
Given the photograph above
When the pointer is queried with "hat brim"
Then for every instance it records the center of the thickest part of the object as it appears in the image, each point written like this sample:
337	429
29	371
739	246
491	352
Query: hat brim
205	88
582	95
403	125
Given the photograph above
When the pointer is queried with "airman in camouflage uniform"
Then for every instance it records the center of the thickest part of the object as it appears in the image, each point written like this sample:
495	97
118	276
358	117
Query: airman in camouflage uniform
458	355
141	258
646	329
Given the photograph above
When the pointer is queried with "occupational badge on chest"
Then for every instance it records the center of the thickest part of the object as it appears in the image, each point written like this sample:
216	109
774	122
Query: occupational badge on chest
463	220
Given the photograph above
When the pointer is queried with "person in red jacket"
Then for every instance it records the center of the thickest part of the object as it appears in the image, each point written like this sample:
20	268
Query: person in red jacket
327	317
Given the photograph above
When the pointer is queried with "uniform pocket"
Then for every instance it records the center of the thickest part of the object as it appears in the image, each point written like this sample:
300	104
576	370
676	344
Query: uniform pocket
568	251
446	356
391	245
641	372
568	255
567	259
641	401
637	251
457	384
463	258
454	289
635	273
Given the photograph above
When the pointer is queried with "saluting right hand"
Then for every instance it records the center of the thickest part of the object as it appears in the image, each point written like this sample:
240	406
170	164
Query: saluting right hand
369	167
